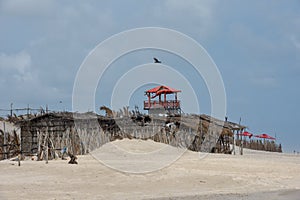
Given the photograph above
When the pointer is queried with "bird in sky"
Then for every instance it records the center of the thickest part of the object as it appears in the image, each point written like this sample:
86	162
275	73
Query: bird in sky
156	60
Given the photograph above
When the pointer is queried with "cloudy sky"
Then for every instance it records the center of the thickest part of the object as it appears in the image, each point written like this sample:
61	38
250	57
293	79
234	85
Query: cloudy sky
255	45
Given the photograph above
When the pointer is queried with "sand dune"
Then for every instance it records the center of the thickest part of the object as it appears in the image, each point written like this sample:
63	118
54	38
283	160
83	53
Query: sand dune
171	173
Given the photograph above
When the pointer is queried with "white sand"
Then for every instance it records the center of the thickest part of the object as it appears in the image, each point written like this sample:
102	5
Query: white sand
254	175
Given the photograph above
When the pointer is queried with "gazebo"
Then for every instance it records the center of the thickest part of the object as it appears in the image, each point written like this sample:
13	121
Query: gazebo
157	105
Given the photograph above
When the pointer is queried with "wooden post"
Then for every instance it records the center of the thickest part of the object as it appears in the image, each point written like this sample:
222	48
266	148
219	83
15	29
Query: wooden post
149	101
27	111
242	145
234	142
11	109
241	141
39	138
46	142
47	153
19	159
4	141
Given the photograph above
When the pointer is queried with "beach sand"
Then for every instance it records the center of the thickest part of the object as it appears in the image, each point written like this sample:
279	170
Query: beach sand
255	175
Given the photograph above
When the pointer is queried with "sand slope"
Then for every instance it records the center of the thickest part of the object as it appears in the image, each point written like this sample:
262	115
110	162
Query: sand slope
193	175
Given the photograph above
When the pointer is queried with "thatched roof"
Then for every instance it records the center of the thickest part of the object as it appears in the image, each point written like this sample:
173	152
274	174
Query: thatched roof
213	123
225	124
203	122
63	116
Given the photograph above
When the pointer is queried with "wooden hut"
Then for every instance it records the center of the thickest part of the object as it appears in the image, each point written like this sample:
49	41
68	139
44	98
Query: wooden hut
79	133
46	135
222	131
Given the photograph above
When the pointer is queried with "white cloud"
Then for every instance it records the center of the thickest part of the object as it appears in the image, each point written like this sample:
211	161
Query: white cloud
21	82
192	17
295	41
19	62
202	9
267	82
27	7
253	42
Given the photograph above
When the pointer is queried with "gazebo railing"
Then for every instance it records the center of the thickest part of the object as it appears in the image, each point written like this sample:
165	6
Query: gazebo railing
170	104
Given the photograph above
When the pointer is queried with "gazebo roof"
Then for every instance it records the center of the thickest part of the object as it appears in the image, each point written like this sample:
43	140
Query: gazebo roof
162	90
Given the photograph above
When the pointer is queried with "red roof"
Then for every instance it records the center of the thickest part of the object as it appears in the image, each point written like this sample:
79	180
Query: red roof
246	134
266	136
162	90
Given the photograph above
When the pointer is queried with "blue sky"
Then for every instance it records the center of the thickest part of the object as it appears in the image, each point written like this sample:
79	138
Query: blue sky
255	44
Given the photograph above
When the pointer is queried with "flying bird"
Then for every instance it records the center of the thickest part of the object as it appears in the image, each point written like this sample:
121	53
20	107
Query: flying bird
156	60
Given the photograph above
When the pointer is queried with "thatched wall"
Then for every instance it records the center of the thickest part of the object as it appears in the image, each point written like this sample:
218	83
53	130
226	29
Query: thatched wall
79	133
9	140
82	133
260	145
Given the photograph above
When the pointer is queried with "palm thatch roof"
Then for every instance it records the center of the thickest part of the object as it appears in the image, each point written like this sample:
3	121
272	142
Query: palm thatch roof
208	122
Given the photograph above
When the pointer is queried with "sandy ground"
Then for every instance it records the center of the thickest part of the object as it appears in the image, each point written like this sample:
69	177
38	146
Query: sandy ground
135	169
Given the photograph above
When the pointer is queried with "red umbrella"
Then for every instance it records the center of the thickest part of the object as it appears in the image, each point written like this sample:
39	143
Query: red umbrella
246	134
265	136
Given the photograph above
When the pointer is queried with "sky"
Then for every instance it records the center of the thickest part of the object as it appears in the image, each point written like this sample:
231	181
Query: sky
255	45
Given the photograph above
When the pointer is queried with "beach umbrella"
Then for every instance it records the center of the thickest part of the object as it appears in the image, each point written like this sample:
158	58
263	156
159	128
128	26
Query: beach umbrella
265	136
246	134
